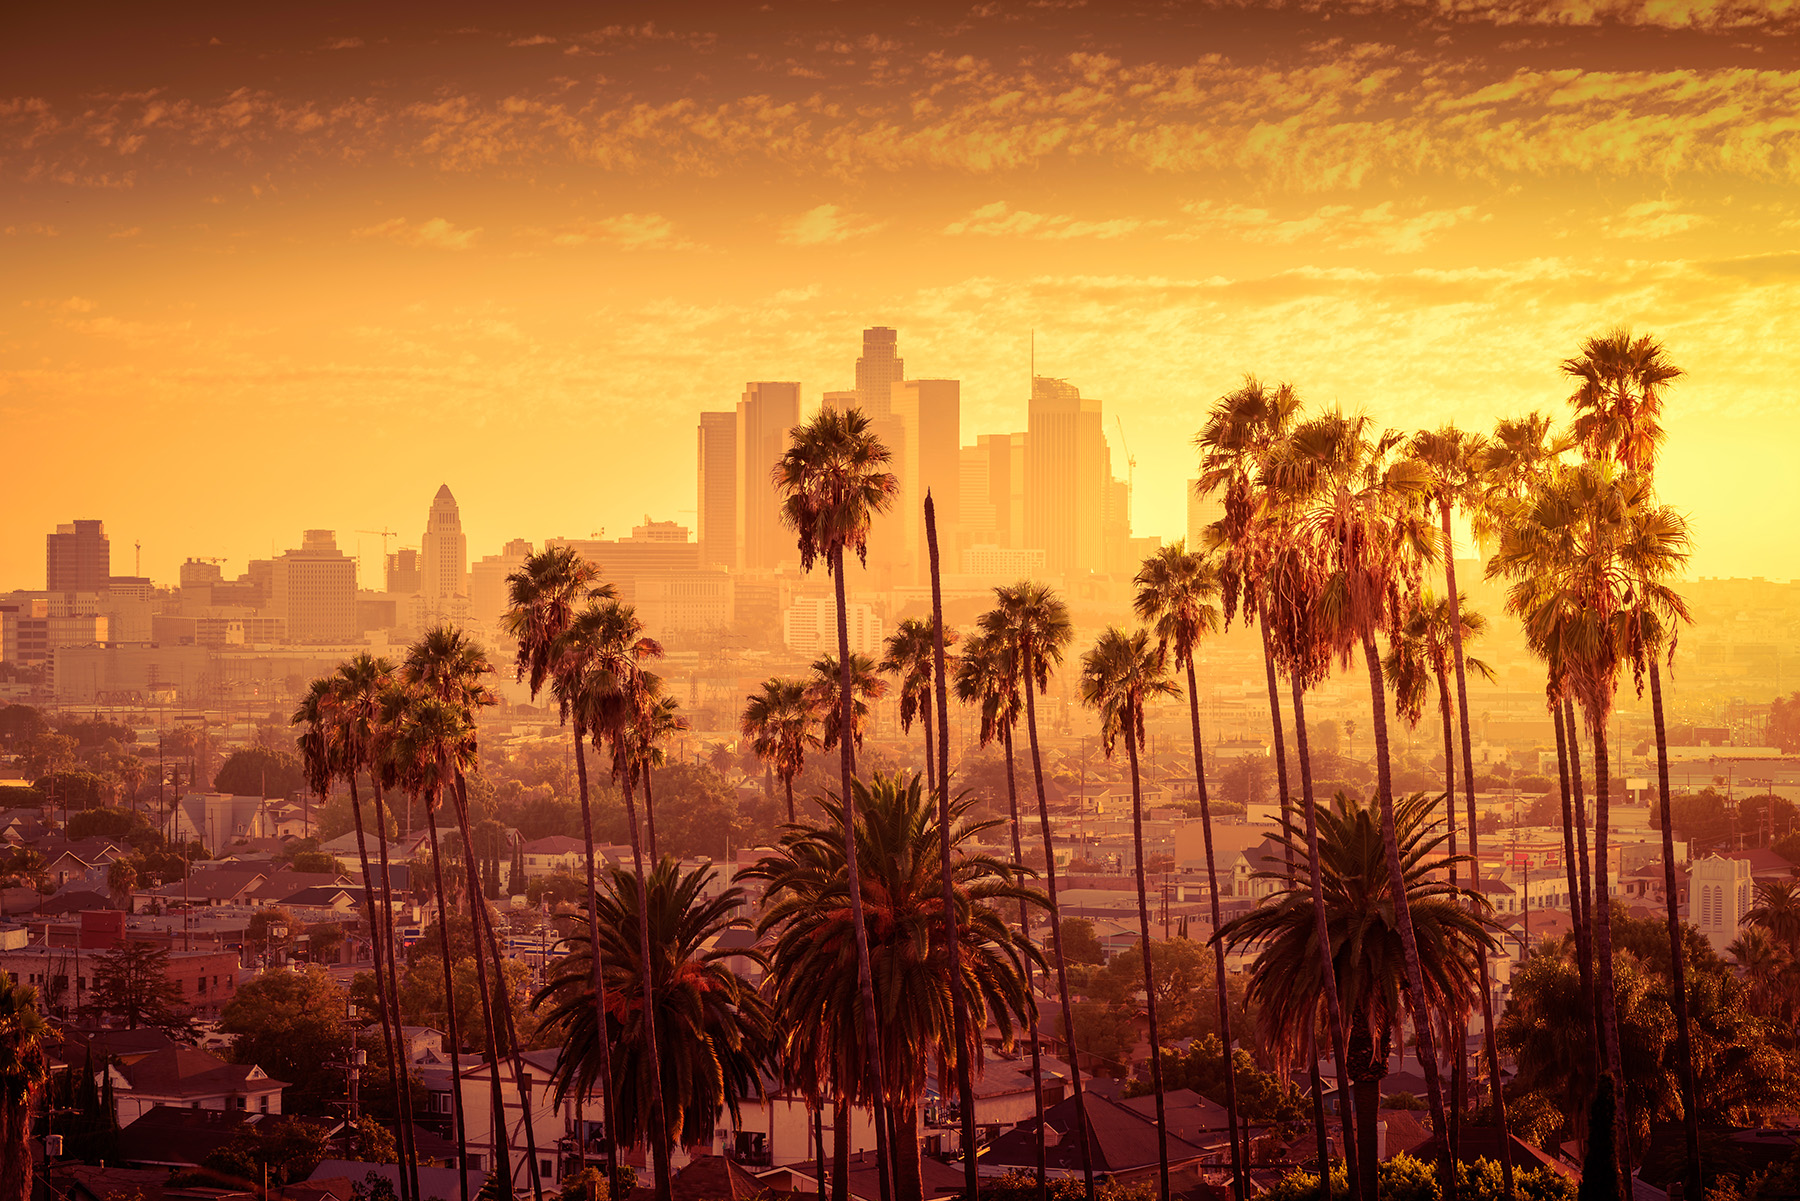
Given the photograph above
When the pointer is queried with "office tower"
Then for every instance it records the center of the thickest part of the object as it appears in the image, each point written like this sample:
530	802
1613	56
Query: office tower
1201	512
1065	478
200	574
716	505
488	599
878	369
979	525
403	575
766	413
840	400
313	589
444	552
930	416
1005	485
77	558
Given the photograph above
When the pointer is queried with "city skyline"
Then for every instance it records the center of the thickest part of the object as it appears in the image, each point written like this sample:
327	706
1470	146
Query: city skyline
406	252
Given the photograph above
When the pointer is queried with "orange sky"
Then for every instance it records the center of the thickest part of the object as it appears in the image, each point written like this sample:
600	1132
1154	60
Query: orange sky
262	274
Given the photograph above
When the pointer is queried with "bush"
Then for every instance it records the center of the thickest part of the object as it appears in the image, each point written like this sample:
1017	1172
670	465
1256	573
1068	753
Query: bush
1404	1178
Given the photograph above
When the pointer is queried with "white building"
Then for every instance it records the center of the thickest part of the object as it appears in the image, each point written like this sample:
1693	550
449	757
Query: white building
809	627
1002	562
444	551
1720	893
312	590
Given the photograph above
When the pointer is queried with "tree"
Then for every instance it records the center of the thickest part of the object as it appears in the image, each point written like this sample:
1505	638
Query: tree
1175	593
1080	943
1368	952
779	723
1784	722
1119	677
833	481
132	981
286	1154
121	882
1030	628
1262	1097
291	1023
22	1073
815	998
907	656
714	1029
822	688
258	771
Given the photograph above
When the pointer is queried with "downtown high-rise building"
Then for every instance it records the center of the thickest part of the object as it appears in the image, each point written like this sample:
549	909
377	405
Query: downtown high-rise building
929	412
716	476
313	590
1066	478
1202	511
444	551
878	369
768	410
77	558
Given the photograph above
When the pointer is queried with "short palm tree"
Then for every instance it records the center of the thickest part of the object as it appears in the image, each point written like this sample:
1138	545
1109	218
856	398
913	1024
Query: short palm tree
1176	590
1121	675
1369	954
1029	624
22	1071
813	993
907	656
659	720
1777	910
1768	971
779	723
833	481
708	1029
822	688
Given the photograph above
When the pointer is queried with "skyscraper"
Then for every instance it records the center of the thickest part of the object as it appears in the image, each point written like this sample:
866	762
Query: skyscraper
878	369
930	416
403	575
1006	485
1201	512
766	413
77	558
716	506
444	551
1065	478
313	589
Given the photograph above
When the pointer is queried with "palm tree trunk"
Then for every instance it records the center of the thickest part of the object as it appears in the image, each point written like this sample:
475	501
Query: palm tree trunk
930	750
1578	786
1037	1065
1690	1112
1062	964
656	1121
608	1114
1238	1157
965	1039
1462	706
865	971
1417	1000
787	782
1327	968
1455	1043
388	1039
1281	770
1313	1080
818	1131
1577	872
1156	1080
907	1183
478	901
408	1148
520	1079
455	1040
650	813
840	1148
1366	1073
1603	951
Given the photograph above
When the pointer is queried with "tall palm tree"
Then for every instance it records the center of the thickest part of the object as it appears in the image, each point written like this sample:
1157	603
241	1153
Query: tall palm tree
1362	522
779	722
1176	588
622	698
907	656
833	482
1618	397
1368	949
822	692
659	719
1122	674
22	1072
816	1001
1030	623
705	1025
987	679
448	665
392	705
431	735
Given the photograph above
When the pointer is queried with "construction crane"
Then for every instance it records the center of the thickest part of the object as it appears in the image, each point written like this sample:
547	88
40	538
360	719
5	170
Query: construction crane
384	535
1130	460
137	563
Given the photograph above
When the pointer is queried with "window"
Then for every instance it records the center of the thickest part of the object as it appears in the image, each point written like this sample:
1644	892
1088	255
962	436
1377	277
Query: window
262	1102
546	1167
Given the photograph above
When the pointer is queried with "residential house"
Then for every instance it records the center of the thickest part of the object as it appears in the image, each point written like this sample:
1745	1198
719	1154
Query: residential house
189	1078
557	853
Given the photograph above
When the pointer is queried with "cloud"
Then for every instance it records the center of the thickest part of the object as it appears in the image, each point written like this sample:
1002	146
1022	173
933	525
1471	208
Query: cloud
826	225
1000	221
628	231
344	44
1650	219
1341	226
536	39
437	233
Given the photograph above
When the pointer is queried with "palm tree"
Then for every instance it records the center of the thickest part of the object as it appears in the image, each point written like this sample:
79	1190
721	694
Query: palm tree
1368	950
1175	591
430	736
986	678
833	481
1362	524
22	1070
779	723
707	1029
392	705
1768	971
1777	910
814	996
908	657
1121	675
1030	624
448	665
866	685
1618	397
659	720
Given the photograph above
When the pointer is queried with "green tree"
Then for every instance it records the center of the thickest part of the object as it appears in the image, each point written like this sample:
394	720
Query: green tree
779	722
1080	943
907	656
259	771
285	1155
22	1073
1261	1096
291	1023
132	981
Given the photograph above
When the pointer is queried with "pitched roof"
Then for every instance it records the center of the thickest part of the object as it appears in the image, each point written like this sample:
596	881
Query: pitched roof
1483	1142
176	1135
556	844
192	1072
433	1182
1120	1136
714	1178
